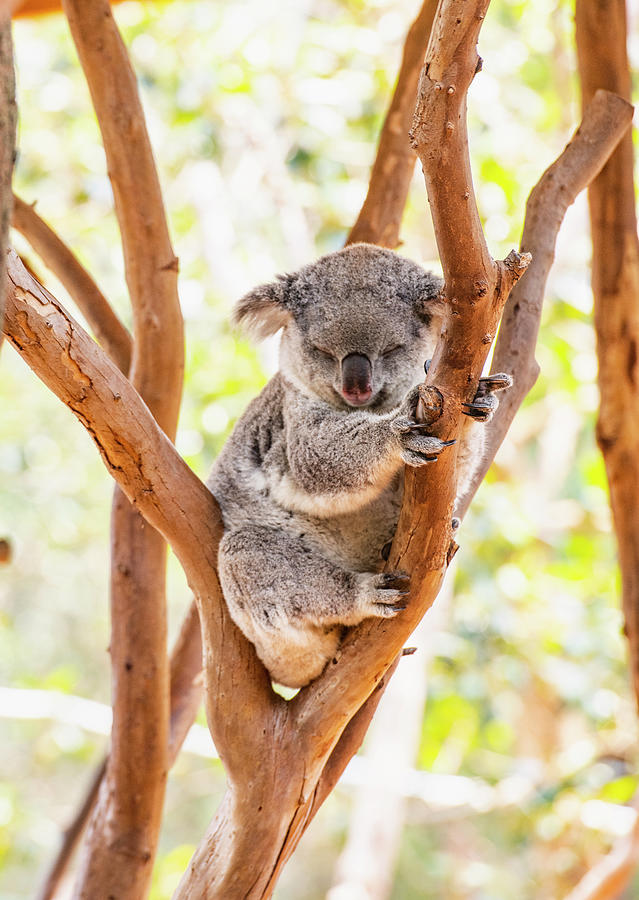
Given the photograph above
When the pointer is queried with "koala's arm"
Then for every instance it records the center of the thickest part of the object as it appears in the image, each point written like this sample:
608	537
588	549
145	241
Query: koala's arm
344	459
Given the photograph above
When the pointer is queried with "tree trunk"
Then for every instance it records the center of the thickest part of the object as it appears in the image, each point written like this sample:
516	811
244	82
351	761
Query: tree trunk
603	63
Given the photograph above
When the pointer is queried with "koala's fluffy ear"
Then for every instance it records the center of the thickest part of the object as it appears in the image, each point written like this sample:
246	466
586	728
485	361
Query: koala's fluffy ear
262	312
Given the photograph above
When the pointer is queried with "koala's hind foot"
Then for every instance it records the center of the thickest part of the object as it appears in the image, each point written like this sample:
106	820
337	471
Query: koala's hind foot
484	403
291	602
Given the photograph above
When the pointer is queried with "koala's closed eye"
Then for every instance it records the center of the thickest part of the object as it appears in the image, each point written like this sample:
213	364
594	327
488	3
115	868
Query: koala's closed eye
323	352
394	348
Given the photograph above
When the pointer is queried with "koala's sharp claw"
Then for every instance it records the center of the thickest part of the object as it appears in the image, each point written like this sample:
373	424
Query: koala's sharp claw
481	408
427	366
398	608
386	549
484	404
455	523
497	382
394	580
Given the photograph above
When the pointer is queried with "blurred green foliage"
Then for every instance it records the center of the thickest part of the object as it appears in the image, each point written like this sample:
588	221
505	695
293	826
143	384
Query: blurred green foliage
264	119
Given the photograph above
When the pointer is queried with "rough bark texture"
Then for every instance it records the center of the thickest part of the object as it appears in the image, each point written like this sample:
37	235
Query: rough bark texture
122	838
83	290
8	117
603	63
380	218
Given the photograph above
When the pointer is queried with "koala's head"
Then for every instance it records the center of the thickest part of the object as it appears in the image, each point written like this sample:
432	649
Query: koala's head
357	325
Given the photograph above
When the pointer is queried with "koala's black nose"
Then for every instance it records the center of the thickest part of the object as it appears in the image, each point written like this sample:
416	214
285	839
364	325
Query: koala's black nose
356	379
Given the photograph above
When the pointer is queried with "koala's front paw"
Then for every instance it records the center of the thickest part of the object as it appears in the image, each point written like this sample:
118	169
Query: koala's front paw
417	446
383	595
484	403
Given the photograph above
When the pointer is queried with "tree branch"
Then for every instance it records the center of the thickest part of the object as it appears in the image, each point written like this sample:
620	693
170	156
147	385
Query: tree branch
150	263
603	63
161	486
380	217
83	290
606	118
71	836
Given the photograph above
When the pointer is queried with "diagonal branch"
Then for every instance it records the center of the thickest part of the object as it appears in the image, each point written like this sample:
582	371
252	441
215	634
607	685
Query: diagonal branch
606	119
83	290
610	876
157	481
380	217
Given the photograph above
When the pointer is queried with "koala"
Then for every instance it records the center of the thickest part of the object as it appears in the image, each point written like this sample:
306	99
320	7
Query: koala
310	481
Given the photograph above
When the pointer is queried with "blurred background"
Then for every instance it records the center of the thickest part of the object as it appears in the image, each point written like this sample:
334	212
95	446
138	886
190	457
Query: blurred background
514	759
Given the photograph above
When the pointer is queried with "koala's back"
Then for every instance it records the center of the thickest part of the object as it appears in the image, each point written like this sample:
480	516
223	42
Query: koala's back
254	462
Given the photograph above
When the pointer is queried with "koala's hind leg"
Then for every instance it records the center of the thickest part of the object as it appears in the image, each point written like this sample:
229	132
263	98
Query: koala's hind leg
291	602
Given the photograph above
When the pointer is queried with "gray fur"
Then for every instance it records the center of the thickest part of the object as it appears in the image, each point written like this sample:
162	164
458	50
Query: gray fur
309	486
